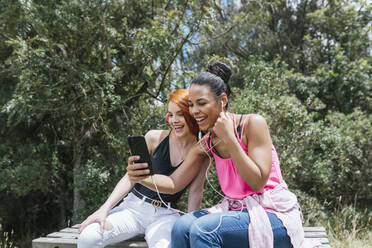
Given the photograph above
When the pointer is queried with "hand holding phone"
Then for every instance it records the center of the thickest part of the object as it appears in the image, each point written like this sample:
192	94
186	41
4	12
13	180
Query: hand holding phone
138	147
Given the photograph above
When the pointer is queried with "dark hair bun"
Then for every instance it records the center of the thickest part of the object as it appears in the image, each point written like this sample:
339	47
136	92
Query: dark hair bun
220	69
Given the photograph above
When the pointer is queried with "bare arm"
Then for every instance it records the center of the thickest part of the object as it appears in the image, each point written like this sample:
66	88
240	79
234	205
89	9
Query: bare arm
174	183
121	189
255	166
197	188
153	138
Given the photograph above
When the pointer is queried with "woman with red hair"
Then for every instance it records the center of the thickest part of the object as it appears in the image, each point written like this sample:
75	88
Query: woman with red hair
142	211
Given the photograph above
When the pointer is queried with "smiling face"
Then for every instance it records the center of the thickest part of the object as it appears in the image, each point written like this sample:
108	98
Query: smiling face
203	106
177	120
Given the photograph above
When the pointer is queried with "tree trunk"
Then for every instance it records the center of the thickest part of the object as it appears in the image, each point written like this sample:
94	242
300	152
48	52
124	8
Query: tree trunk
62	210
78	181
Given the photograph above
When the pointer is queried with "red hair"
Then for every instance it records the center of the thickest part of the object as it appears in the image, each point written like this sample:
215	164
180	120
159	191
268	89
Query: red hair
180	98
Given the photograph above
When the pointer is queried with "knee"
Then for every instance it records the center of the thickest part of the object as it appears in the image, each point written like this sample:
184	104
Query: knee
181	227
195	233
89	237
162	243
201	235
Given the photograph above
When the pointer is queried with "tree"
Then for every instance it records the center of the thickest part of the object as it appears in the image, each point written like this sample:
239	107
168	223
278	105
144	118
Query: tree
337	55
81	70
326	43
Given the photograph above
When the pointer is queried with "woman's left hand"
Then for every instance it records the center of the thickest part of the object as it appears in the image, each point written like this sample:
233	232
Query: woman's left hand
224	127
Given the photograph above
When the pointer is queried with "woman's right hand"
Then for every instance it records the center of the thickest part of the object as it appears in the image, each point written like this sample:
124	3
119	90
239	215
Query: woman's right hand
97	217
136	171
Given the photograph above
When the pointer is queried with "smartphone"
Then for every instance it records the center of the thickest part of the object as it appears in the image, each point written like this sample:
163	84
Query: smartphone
137	146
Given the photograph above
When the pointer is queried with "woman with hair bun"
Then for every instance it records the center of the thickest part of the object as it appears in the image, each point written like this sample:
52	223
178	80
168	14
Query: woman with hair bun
257	210
142	211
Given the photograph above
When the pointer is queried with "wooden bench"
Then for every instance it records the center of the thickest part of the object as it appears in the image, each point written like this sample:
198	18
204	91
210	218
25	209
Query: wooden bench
67	238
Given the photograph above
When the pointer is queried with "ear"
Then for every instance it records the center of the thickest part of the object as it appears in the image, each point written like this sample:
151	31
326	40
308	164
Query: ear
224	99
167	117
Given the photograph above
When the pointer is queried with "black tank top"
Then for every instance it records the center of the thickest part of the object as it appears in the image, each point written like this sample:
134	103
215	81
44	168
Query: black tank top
161	163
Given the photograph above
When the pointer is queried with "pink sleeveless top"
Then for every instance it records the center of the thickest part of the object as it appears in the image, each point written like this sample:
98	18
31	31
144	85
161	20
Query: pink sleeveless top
232	184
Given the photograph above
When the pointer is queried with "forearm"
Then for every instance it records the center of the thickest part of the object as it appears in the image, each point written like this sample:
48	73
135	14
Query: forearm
194	199
172	184
197	188
164	184
121	189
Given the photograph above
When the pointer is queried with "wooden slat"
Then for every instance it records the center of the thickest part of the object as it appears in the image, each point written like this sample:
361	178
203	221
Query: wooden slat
64	242
67	238
322	240
138	244
315	235
69	230
53	243
307	229
62	235
314	229
325	246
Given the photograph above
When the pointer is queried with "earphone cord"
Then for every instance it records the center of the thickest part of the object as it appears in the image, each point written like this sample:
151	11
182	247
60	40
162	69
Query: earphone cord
206	175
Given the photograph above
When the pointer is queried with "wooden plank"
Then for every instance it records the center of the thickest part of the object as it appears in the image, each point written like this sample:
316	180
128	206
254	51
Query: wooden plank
325	246
311	229
322	240
72	243
314	229
65	242
54	243
69	230
62	235
306	228
138	244
67	238
315	235
75	236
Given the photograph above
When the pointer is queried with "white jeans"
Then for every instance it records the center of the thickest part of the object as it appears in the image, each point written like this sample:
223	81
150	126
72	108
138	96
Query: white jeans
132	217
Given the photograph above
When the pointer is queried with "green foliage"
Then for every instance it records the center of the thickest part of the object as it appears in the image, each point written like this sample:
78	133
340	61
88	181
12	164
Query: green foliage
100	174
77	77
310	101
6	239
345	154
347	224
327	46
327	157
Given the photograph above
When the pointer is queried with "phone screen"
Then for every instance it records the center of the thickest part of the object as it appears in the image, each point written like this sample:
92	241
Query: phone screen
137	146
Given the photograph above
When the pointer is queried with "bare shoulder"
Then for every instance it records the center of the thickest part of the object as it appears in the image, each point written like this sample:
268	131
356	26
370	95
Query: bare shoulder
255	121
255	127
154	137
